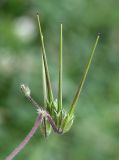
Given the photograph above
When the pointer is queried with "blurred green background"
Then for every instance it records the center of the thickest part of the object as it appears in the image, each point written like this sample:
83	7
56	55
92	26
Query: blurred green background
95	133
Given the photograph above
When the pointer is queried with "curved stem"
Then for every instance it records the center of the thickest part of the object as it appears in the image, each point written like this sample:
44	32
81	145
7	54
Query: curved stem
26	140
54	127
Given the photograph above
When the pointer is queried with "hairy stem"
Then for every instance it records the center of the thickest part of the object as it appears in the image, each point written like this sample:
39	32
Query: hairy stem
26	92
51	121
26	140
34	103
47	115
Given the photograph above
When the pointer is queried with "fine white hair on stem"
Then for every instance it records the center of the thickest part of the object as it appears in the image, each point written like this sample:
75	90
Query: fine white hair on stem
27	138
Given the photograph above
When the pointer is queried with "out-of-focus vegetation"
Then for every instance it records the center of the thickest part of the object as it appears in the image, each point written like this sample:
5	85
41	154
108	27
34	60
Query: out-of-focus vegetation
95	133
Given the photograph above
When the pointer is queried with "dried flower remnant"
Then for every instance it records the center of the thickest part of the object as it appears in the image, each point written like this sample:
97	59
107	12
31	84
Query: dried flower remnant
52	115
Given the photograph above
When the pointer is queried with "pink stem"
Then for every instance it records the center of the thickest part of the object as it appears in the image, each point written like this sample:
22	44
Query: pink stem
26	140
51	121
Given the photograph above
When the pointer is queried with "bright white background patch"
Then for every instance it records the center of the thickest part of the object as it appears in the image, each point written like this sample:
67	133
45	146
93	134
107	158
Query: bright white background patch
24	28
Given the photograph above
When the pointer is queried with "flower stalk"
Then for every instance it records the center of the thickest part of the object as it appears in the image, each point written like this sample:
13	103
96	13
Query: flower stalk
27	138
